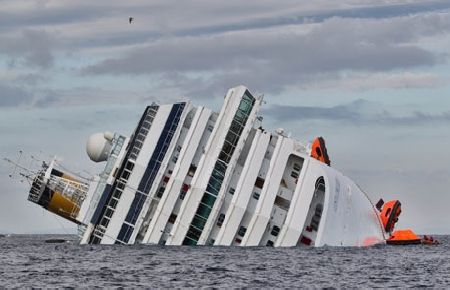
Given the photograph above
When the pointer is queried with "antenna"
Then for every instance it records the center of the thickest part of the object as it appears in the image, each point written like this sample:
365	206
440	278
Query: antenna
261	98
23	171
16	164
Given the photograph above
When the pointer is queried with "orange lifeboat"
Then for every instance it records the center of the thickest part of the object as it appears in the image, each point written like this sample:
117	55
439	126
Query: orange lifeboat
389	214
404	237
319	151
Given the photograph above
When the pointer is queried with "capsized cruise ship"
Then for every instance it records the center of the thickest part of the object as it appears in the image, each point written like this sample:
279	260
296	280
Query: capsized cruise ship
191	176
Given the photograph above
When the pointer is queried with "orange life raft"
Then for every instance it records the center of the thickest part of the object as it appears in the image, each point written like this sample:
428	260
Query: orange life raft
404	237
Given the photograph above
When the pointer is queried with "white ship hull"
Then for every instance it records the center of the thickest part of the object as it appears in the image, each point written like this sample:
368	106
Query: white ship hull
189	176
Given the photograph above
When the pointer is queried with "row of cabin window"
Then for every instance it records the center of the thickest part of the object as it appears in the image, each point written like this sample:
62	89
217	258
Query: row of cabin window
296	172
142	134
129	166
259	184
255	194
217	176
112	204
154	164
166	179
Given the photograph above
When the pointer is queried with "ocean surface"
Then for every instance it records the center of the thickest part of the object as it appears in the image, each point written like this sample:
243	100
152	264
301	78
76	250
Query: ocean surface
27	260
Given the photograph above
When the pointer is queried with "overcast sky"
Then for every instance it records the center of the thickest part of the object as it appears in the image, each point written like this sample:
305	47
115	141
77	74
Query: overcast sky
372	77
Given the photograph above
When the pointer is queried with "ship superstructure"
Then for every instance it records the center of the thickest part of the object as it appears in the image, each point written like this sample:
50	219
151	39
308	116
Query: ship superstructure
191	176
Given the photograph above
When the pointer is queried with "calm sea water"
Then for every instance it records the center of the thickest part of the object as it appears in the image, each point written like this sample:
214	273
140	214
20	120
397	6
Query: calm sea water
28	261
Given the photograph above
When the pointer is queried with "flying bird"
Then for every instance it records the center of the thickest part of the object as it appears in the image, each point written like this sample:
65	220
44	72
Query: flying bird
130	20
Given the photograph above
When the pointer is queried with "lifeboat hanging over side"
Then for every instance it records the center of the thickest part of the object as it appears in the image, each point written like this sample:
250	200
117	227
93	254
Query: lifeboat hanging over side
319	151
389	214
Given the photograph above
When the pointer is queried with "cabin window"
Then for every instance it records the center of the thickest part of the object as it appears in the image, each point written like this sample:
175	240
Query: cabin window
315	219
109	212
320	184
259	183
121	185
210	128
140	137
275	231
294	174
152	111
231	191
125	175
160	192
269	243
297	167
175	159
192	170
117	193
104	222
172	218
178	148
96	240
282	202
305	240
256	195
242	231
113	202
138	145
220	220
149	118
146	125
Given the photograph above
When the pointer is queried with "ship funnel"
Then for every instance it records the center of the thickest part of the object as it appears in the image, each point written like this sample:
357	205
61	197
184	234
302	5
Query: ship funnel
99	146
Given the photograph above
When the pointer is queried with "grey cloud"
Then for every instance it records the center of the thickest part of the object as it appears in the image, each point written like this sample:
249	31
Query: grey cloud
11	96
255	23
214	22
416	118
348	112
39	15
336	44
369	12
47	100
359	112
250	15
273	59
30	79
34	46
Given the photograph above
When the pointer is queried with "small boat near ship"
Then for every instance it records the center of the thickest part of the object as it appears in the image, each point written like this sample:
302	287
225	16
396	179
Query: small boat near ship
56	241
191	176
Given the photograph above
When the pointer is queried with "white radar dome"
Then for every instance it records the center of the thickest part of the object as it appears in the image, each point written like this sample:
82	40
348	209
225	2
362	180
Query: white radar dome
98	146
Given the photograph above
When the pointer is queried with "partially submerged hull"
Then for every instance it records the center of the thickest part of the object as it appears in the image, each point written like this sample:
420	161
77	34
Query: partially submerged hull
190	176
